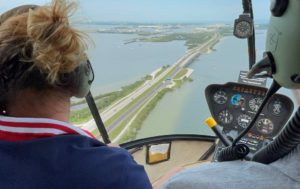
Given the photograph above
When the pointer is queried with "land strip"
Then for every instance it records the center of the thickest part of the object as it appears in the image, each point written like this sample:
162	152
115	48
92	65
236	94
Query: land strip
119	113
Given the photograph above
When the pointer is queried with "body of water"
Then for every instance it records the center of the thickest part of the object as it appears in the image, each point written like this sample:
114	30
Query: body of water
117	64
183	110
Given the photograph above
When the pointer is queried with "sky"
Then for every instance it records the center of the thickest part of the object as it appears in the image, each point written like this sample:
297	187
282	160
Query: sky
161	11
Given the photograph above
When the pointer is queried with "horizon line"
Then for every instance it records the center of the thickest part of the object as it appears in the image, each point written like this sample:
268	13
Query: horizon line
169	22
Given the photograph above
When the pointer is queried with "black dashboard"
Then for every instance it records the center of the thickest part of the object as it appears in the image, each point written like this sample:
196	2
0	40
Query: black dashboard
233	106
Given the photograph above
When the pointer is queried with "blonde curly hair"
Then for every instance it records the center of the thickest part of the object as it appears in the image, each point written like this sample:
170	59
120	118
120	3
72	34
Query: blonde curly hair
44	39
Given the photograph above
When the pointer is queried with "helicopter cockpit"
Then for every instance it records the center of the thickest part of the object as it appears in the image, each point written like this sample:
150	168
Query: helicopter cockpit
247	117
208	74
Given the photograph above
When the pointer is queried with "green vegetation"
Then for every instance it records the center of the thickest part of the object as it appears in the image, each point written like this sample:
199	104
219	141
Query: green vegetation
96	133
181	73
114	133
80	116
135	126
127	31
124	90
143	114
161	71
192	39
96	98
144	33
105	100
226	31
179	83
130	134
125	109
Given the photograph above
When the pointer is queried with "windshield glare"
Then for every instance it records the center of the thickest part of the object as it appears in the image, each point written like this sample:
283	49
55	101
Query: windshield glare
153	60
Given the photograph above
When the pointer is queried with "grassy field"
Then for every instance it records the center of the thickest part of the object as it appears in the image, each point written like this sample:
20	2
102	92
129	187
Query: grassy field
226	31
181	73
192	40
125	109
80	116
131	133
143	114
141	117
161	71
125	89
114	133
105	100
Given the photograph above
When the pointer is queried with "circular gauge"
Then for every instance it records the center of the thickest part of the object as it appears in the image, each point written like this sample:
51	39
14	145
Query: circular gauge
265	126
276	107
225	117
244	120
255	103
220	97
243	29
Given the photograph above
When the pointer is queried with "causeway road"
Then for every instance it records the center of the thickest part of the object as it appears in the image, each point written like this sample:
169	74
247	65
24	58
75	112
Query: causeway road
122	103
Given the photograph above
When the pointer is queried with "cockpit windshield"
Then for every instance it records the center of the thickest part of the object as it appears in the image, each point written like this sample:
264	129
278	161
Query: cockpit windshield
153	60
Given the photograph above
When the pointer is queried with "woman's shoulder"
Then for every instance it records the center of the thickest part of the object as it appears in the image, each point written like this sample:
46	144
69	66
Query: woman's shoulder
113	167
110	165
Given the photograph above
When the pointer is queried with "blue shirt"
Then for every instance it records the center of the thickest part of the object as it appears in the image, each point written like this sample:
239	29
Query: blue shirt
68	161
63	160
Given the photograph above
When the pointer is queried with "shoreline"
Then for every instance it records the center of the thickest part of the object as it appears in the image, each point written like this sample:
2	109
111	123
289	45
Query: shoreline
75	105
190	56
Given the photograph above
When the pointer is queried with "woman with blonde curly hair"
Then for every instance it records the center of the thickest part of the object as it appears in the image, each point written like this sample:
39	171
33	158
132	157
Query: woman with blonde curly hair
42	65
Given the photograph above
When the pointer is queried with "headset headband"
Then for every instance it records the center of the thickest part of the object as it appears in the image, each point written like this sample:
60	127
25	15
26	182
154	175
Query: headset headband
16	11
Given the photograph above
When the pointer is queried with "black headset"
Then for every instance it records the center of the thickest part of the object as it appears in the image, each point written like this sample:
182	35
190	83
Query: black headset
79	81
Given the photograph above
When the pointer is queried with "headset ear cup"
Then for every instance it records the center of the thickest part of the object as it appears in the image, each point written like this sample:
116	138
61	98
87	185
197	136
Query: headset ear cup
78	82
83	80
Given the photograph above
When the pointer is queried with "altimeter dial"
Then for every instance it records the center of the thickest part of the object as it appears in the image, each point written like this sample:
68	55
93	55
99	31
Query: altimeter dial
255	103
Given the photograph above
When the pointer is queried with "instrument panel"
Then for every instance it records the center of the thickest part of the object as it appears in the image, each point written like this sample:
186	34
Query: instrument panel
233	106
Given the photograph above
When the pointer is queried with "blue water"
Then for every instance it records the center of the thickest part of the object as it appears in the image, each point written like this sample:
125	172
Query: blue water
185	109
117	64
